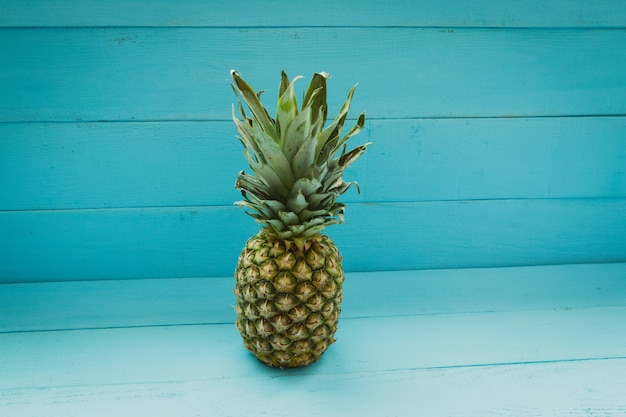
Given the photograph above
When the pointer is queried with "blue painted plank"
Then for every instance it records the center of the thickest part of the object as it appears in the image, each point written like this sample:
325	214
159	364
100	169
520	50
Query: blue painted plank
464	159
105	165
205	241
482	233
480	360
449	13
124	357
64	166
90	74
157	302
577	388
121	243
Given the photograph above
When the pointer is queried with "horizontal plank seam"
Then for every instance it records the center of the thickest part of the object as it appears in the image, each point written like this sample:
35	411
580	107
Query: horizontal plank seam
217	277
360	318
299	372
94	328
478	312
618	261
381	203
116	280
390	119
477	268
263	27
494	364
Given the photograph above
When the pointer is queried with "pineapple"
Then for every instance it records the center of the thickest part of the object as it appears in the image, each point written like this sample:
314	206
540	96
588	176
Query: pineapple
289	277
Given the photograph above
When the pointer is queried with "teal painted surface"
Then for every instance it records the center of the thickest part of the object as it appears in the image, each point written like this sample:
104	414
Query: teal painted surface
450	13
205	241
109	304
499	132
116	165
524	341
125	74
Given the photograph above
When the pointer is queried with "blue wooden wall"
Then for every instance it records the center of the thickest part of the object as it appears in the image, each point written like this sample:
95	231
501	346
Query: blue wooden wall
499	131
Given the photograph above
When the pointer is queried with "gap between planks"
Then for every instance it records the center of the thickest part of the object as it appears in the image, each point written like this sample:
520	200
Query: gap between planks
153	354
157	302
566	356
555	388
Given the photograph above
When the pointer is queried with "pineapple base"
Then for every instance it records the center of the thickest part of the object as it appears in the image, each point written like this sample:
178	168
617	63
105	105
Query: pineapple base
288	298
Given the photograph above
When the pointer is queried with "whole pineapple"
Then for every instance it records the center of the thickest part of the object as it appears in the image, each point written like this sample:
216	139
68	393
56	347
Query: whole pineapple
289	276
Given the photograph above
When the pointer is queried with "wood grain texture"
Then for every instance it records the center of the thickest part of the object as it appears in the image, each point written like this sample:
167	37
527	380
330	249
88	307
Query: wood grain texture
524	362
454	13
189	353
116	165
499	140
530	390
125	74
158	302
465	178
496	350
205	241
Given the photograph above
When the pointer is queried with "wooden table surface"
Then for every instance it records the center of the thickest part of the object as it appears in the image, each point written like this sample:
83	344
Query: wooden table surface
529	341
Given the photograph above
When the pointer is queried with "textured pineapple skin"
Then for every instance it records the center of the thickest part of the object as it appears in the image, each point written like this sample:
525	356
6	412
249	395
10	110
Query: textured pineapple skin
288	298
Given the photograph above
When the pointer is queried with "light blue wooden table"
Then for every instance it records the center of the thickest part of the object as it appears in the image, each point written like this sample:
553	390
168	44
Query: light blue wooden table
485	256
522	341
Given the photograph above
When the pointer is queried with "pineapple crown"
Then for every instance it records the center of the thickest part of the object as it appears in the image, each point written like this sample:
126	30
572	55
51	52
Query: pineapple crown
297	172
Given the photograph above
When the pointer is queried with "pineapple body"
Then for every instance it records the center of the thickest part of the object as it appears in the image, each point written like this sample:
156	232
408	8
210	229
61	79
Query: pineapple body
288	278
288	298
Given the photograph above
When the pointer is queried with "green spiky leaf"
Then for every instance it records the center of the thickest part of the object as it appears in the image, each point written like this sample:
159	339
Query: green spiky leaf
253	101
287	107
298	174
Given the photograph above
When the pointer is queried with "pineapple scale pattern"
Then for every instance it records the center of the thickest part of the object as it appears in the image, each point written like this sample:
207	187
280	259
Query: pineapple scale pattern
288	298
